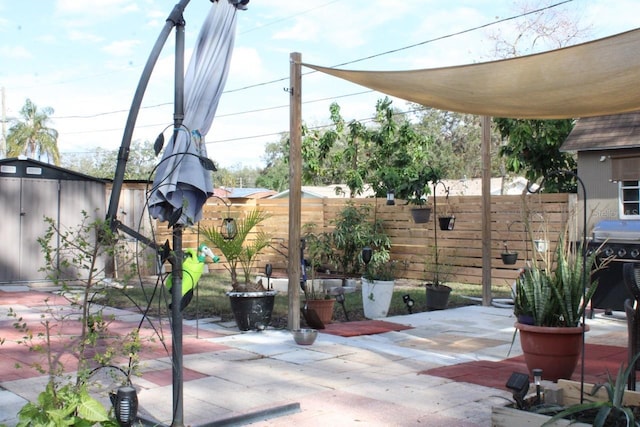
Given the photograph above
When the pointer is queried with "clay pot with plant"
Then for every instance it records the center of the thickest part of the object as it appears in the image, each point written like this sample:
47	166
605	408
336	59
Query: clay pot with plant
317	302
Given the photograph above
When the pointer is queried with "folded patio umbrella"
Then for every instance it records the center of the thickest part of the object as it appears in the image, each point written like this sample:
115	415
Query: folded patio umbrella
182	185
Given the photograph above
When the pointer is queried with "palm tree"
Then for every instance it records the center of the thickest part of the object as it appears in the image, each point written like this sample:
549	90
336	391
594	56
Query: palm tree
31	136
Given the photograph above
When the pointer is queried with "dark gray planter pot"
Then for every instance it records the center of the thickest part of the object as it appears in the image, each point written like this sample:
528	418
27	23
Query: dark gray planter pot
252	310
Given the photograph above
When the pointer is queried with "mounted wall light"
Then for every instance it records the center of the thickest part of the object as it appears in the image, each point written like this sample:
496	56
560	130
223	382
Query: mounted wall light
367	253
391	197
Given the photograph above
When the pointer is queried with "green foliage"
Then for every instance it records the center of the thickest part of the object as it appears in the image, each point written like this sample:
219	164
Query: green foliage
68	405
533	147
552	293
239	250
353	230
31	135
73	262
101	163
611	410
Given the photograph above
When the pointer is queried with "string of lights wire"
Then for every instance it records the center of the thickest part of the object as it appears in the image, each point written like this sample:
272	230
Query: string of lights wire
284	79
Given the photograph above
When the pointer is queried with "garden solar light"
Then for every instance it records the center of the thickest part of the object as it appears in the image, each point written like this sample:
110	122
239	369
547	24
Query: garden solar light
409	302
537	379
340	300
518	383
228	228
268	270
125	404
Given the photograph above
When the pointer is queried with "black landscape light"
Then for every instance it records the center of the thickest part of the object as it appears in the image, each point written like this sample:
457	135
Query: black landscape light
409	302
340	299
518	383
268	270
125	404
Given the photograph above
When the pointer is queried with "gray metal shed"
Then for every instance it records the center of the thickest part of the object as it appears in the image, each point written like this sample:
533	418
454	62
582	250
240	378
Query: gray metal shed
30	191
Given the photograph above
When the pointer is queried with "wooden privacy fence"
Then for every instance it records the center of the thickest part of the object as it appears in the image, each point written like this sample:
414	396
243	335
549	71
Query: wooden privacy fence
459	250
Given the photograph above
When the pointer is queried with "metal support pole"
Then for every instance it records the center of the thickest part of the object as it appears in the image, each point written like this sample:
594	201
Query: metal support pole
176	273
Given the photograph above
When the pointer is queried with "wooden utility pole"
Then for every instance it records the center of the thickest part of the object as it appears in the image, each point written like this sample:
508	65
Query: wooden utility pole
3	119
295	188
486	210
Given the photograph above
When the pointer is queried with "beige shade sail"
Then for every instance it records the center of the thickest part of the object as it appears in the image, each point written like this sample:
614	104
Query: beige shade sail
597	78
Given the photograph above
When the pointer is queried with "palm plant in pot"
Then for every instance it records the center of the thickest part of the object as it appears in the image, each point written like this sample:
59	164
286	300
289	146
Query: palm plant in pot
550	299
251	303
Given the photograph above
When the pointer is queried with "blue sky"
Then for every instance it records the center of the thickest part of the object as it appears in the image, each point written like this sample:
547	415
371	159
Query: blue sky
84	59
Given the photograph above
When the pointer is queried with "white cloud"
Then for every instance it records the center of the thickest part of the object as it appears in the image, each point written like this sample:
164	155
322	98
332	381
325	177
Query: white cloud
121	48
15	52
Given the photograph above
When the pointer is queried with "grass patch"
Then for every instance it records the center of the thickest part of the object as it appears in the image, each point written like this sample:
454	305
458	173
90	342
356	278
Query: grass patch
211	300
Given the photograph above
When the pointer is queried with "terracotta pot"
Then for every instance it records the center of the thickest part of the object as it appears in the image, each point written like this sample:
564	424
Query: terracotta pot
323	308
555	350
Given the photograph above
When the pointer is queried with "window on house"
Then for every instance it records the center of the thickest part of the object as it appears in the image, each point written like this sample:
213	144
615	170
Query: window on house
629	199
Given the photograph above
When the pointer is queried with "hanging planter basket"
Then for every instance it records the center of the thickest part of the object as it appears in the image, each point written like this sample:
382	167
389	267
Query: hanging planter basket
421	215
509	258
447	222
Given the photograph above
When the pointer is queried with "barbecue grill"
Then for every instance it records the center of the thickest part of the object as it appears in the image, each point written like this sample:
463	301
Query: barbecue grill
620	241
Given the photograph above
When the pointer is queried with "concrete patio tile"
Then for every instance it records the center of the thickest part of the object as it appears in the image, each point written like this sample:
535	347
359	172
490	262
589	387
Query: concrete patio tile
10	404
303	356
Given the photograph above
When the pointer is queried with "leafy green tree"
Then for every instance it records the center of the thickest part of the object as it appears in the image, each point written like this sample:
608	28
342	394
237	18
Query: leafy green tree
102	163
275	174
456	142
336	155
533	148
32	136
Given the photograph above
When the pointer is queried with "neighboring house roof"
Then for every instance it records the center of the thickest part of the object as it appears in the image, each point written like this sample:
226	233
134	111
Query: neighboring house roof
248	193
473	186
321	192
23	167
604	132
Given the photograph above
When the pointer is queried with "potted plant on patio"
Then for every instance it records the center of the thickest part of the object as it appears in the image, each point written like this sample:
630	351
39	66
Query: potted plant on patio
251	303
437	293
378	282
318	249
549	295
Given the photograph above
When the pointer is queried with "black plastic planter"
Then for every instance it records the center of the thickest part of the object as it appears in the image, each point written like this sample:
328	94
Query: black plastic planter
509	258
421	215
447	222
252	310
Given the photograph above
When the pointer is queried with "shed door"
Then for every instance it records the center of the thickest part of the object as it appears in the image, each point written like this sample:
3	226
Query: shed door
28	201
40	199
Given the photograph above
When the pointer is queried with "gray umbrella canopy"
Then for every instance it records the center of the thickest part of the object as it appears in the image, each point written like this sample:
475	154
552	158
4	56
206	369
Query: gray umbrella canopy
181	184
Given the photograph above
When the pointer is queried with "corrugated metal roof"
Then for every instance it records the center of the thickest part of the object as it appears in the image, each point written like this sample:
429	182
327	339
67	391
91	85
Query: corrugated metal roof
23	167
243	193
604	132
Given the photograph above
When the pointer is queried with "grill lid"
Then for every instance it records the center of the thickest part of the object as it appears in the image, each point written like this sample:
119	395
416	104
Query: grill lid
617	231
